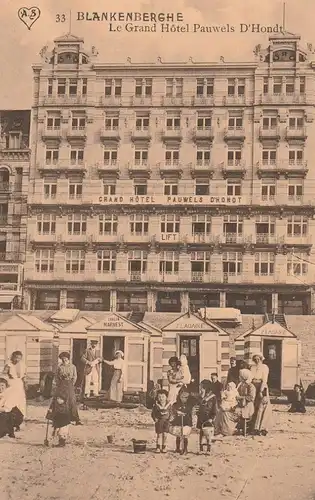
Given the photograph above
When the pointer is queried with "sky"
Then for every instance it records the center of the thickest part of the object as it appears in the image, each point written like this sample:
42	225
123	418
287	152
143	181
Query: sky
19	47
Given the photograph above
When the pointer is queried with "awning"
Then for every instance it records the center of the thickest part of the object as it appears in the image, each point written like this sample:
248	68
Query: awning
6	299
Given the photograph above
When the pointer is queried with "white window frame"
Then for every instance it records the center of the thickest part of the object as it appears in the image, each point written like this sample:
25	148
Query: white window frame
107	224
44	260
75	190
170	224
74	261
76	224
264	264
46	224
169	262
232	260
106	261
139	224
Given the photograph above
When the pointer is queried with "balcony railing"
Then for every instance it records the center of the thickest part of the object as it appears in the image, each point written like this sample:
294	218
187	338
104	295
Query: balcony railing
110	100
140	167
111	133
76	133
15	154
238	239
234	99
112	166
296	133
141	133
283	166
269	133
60	99
201	100
52	133
200	277
136	276
203	133
62	166
268	238
234	133
172	133
203	238
292	98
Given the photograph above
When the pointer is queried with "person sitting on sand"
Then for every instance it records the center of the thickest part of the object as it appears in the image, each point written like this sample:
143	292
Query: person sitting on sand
225	421
10	416
298	400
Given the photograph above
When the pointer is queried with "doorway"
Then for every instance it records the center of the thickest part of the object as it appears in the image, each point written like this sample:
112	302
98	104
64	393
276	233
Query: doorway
110	346
190	347
78	348
272	350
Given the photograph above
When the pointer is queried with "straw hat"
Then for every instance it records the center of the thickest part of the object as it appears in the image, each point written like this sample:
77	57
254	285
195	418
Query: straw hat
119	352
258	355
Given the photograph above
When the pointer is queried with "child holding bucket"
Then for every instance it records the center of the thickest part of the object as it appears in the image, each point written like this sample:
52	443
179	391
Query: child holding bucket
161	413
206	412
181	421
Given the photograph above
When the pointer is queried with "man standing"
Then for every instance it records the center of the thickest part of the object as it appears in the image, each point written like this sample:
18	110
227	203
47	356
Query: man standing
234	372
91	361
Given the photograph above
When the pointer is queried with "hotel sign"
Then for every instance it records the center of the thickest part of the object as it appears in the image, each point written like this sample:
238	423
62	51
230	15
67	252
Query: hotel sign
170	200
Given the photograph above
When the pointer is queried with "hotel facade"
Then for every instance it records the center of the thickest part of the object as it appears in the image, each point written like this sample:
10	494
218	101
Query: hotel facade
168	187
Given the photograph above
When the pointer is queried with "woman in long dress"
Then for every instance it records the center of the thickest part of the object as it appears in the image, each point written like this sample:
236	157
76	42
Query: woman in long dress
175	379
65	379
15	371
116	386
263	412
225	422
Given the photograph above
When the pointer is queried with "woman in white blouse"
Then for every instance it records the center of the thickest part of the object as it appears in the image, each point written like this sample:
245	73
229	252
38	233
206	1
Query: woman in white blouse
116	385
262	416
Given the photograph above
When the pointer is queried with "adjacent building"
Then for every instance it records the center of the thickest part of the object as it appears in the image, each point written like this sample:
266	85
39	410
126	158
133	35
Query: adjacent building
14	171
167	187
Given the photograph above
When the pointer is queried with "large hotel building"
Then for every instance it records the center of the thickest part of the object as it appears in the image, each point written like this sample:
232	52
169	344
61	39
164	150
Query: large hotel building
172	186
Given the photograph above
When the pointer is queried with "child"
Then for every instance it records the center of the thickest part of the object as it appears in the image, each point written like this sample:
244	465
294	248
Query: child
229	397
185	370
217	386
206	414
161	413
10	416
246	397
298	400
181	421
60	415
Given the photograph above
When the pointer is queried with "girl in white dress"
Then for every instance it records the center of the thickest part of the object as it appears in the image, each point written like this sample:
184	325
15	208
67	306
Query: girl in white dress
15	371
116	385
185	370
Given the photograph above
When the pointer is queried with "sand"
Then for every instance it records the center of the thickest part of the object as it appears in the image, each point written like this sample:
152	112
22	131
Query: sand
280	466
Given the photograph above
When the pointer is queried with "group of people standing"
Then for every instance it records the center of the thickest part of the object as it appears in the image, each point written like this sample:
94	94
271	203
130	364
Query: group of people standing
242	406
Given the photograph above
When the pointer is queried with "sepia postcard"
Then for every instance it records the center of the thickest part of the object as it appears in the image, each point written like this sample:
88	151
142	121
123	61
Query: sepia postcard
157	269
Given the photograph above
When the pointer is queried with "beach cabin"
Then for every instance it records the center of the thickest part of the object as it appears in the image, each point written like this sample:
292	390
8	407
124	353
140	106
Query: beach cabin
281	350
34	338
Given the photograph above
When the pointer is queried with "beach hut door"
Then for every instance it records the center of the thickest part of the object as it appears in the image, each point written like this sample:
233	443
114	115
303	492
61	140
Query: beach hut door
15	343
136	356
209	357
290	363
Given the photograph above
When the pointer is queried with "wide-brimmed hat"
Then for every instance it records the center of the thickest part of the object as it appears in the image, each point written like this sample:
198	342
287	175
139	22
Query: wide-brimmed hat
258	355
119	352
245	375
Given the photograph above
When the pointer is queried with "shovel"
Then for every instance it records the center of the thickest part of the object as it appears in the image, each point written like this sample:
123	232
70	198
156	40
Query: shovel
46	441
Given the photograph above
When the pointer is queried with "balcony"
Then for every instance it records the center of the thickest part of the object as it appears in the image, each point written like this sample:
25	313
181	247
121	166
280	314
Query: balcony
59	100
283	167
174	101
304	240
107	168
297	133
172	134
142	100
137	168
234	100
137	276
200	277
268	239
54	133
293	98
76	133
237	239
234	134
49	238
202	168
110	101
15	154
269	133
204	238
203	134
168	277
138	237
110	134
233	168
201	100
141	134
62	166
170	167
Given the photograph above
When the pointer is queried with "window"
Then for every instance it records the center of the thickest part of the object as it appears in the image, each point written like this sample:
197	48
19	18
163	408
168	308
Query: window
234	157
44	261
235	120
106	261
236	87
203	122
264	264
265	228
75	190
143	87
268	191
296	122
50	190
169	263
172	122
112	121
295	156
139	224
201	224
297	264
232	263
50	86
15	140
73	87
78	121
302	84
77	224
297	225
109	187
76	156
232	227
170	187
137	262
170	223
84	86
53	121
202	187
140	187
61	86
107	224
141	156
277	85
204	87
266	85
75	261
113	87
203	157
174	87
142	121
234	188
269	156
289	85
200	264
295	191
46	224
110	156
52	156
270	122
172	157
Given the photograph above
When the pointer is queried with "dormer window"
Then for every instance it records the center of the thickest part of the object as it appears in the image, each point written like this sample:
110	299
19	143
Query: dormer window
68	58
284	56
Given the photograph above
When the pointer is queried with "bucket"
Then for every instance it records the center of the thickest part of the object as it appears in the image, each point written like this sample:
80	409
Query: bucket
110	439
139	446
208	432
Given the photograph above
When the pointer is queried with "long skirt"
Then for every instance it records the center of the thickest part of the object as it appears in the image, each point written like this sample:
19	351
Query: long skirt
116	387
173	392
263	418
18	392
67	387
225	422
